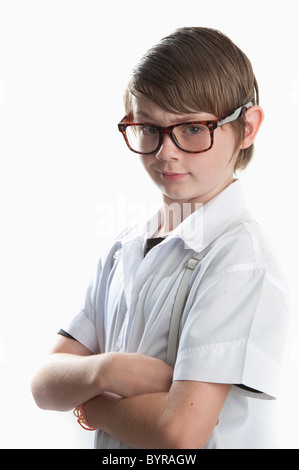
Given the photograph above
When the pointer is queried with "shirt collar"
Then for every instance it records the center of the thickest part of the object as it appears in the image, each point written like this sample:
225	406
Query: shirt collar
203	226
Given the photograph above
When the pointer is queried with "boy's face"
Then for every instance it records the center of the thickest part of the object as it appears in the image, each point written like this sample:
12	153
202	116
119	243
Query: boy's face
183	177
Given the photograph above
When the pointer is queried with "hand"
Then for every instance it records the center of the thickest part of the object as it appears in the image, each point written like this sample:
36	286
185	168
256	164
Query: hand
130	374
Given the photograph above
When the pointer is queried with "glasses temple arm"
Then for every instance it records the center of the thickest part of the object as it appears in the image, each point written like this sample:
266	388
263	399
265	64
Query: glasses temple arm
235	115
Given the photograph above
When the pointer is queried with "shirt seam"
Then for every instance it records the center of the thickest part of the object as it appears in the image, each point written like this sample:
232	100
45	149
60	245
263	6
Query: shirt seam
241	342
212	346
252	243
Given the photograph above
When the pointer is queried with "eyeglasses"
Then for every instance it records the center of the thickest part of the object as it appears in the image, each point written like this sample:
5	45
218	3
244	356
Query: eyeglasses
191	137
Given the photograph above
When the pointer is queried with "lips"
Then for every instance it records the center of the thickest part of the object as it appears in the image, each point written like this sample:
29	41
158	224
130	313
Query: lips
171	176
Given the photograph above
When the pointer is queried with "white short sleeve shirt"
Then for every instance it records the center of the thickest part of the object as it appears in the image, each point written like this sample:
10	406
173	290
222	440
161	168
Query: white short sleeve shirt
234	324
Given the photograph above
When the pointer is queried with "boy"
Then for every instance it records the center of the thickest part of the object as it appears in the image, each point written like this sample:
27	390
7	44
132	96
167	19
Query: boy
192	114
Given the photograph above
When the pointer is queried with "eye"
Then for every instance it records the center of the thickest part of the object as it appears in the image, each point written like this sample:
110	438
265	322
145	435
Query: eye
149	130
193	130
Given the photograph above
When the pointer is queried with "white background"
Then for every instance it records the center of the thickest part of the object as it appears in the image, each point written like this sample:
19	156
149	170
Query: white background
64	65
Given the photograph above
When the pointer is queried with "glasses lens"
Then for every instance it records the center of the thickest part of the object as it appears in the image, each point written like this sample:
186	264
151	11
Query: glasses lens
192	137
142	138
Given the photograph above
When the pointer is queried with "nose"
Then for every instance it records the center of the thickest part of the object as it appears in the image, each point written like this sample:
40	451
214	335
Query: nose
168	150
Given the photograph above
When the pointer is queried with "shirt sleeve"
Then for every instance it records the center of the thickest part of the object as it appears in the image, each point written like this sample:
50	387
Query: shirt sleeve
83	326
234	331
87	326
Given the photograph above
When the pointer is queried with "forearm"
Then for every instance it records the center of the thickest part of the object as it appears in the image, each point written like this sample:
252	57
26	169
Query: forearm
182	418
139	422
67	380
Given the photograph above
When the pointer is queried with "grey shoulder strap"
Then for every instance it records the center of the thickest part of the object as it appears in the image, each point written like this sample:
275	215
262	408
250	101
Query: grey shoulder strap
180	301
178	307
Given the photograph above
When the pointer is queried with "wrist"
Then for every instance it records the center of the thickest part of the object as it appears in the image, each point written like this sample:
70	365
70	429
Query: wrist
108	371
116	373
103	371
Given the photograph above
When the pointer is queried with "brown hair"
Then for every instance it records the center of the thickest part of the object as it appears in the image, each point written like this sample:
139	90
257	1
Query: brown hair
197	69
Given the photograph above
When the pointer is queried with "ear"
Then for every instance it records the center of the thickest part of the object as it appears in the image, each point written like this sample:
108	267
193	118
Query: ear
254	117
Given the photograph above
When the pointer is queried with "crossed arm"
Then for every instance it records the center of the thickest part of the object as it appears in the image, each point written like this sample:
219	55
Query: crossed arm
129	396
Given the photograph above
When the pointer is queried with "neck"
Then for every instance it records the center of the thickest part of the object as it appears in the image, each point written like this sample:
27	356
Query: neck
174	213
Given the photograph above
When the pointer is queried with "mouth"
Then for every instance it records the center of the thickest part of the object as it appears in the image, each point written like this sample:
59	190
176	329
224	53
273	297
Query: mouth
171	176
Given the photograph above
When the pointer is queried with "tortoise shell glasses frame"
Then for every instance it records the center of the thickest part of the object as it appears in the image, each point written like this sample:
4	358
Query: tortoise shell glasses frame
211	125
